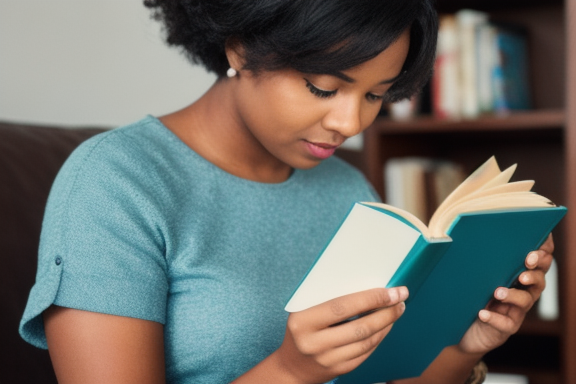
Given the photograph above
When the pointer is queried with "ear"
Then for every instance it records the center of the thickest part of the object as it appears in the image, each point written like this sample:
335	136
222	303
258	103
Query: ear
235	54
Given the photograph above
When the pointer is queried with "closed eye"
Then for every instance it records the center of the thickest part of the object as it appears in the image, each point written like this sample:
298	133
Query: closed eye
373	97
319	92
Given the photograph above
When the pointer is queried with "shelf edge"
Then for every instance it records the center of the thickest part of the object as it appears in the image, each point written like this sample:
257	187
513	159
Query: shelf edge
539	119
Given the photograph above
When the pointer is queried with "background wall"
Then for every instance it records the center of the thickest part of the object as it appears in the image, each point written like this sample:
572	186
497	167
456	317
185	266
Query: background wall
99	62
92	62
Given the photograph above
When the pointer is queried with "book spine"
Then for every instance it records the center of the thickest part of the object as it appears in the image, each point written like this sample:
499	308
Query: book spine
468	23
445	86
485	54
511	72
418	264
481	67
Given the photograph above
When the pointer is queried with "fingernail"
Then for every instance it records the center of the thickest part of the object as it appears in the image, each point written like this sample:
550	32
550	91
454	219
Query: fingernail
484	315
402	307
403	293
525	279
532	259
393	294
501	293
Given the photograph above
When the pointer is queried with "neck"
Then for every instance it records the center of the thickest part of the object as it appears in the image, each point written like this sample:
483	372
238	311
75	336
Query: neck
213	127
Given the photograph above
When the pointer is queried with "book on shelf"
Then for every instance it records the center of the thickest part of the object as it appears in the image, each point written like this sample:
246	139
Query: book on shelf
487	60
510	80
476	241
445	83
481	66
469	22
419	184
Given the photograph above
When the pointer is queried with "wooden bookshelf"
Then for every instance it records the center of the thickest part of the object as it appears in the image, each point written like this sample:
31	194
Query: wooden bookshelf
543	143
470	142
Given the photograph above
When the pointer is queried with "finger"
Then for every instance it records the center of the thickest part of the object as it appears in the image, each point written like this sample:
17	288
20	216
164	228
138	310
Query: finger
513	298
349	306
548	245
539	259
533	281
351	355
532	259
364	327
502	323
359	338
499	307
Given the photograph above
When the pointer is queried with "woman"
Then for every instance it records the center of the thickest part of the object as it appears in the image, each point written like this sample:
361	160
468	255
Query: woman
171	245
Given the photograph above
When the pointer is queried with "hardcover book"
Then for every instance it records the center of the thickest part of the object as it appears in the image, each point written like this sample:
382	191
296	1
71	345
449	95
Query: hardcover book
476	241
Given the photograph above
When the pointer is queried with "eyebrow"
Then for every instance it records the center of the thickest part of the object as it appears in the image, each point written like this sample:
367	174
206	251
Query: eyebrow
348	79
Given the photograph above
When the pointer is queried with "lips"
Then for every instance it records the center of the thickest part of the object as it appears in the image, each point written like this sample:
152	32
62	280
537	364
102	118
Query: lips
321	150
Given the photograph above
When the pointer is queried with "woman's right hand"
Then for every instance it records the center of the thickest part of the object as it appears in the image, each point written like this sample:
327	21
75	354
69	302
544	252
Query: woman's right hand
315	350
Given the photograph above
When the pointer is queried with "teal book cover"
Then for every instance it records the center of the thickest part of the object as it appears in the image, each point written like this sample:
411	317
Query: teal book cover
488	250
373	247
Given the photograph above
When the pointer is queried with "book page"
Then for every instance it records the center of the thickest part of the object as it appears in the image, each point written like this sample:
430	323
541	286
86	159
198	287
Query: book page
487	203
365	253
409	217
486	172
518	186
487	188
501	179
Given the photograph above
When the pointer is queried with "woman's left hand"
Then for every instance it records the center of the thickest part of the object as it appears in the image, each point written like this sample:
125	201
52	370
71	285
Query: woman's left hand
504	315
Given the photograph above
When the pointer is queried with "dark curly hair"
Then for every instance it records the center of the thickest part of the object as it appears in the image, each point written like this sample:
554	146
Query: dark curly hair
311	36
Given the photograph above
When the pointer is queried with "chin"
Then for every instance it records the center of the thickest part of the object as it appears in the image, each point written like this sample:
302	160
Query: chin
308	164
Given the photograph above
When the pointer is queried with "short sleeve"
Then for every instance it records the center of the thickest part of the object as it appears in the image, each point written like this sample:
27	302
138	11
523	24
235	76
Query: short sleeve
102	247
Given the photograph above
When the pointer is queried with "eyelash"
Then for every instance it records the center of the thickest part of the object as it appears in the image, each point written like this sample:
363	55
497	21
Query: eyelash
319	92
325	94
373	97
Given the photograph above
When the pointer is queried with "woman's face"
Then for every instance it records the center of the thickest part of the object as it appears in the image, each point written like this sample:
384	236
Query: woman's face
297	120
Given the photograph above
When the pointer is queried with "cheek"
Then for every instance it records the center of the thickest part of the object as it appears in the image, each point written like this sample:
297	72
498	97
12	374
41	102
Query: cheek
283	108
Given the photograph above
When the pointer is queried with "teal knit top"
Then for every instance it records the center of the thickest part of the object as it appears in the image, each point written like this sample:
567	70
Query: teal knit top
137	224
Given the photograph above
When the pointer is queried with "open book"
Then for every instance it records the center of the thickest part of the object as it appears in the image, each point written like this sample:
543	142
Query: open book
476	241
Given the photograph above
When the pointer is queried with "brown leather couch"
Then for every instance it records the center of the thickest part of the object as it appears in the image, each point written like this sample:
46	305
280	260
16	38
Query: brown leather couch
30	157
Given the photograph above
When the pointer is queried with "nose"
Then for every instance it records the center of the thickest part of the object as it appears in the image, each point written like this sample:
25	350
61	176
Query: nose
344	117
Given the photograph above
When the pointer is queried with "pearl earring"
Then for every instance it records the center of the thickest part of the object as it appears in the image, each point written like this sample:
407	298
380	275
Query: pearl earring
231	72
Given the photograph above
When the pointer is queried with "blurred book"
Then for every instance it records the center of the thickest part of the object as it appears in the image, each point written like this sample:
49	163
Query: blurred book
445	83
481	67
419	184
505	378
405	109
510	71
469	23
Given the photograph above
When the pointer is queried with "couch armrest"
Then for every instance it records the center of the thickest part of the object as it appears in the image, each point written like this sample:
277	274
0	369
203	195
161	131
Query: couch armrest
30	157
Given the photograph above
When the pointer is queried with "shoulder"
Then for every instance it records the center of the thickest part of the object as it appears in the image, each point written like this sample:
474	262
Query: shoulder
133	152
127	169
135	140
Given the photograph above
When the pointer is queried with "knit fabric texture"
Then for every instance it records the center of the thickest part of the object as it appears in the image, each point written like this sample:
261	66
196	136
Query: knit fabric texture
137	224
